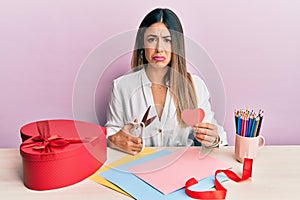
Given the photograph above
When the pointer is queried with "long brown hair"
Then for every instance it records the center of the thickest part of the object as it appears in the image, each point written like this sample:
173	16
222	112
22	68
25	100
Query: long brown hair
180	81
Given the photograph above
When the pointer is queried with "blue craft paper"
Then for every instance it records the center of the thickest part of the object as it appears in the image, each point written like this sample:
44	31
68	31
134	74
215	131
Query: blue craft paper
141	190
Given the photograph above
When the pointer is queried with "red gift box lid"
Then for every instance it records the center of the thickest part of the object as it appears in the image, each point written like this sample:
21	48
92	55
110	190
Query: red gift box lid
67	129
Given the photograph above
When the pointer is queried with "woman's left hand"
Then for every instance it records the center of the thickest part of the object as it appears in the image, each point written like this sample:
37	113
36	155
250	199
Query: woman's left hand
206	133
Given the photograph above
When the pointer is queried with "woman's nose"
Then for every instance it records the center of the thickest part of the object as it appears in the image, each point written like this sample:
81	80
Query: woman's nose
159	46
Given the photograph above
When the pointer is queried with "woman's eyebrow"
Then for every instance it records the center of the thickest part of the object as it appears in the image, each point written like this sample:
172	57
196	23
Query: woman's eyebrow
153	35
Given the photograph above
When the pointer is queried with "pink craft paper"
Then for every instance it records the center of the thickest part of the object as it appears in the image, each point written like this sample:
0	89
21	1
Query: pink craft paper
192	117
169	173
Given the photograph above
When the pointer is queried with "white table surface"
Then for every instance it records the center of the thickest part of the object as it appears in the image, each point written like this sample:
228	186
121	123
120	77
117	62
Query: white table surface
276	175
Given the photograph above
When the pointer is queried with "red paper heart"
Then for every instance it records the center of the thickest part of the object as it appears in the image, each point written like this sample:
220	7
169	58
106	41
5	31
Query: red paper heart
192	117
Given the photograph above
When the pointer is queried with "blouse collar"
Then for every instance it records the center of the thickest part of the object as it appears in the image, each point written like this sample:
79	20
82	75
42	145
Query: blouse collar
146	81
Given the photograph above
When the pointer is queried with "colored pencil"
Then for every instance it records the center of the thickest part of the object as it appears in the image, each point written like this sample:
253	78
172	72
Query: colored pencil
260	122
256	127
248	124
239	124
253	127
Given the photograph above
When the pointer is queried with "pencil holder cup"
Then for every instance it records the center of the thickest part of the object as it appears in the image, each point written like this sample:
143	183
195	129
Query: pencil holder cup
247	147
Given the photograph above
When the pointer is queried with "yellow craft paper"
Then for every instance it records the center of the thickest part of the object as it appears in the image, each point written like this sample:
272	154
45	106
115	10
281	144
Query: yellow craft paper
95	177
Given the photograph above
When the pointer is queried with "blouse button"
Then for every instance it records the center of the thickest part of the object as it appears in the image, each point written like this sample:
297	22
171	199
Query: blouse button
160	130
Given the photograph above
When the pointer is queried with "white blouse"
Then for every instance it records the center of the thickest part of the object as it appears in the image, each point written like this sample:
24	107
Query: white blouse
131	96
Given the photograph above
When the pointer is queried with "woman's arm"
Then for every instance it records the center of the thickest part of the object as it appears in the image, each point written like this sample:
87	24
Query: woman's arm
118	133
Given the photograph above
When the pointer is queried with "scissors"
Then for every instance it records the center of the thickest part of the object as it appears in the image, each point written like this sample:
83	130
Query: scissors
138	127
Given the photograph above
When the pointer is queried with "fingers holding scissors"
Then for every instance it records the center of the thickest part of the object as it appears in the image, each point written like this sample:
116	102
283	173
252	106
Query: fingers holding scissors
126	142
130	138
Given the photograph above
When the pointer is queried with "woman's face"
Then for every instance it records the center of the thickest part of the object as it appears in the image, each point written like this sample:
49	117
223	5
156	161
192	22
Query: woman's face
157	45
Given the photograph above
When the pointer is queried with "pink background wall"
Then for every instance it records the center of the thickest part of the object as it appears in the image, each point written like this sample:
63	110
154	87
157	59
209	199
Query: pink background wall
255	46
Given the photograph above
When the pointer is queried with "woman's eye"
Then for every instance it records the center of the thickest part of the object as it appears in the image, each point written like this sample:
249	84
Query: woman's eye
168	40
151	39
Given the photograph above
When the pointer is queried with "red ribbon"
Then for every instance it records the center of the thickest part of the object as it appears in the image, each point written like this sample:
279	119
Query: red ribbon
220	192
45	141
46	144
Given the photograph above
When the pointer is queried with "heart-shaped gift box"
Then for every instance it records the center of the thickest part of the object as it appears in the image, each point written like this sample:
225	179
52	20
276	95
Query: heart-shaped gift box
59	153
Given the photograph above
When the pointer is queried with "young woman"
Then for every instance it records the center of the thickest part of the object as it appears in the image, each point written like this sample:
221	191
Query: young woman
160	79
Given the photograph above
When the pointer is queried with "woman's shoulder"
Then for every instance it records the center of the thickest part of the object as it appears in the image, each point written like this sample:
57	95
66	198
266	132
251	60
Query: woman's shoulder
128	78
199	85
197	80
128	82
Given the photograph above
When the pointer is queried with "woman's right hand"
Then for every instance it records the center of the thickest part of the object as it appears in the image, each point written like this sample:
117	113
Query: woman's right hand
126	142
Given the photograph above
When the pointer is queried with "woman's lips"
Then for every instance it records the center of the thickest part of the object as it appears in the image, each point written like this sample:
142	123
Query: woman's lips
159	58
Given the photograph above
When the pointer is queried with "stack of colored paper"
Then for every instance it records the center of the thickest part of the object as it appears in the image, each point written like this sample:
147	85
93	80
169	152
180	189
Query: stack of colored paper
162	174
